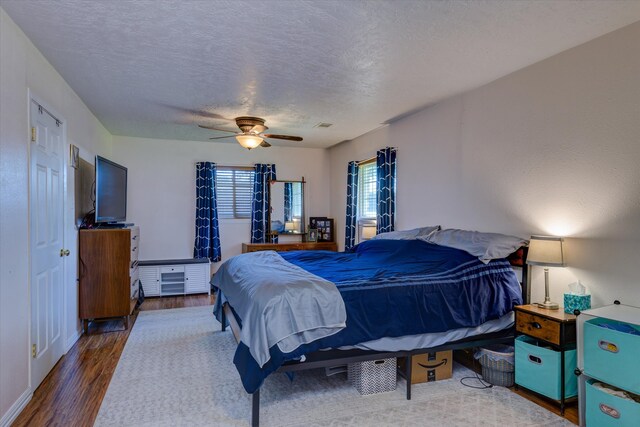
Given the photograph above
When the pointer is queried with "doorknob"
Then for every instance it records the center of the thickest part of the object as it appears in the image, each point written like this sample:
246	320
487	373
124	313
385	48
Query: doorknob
64	252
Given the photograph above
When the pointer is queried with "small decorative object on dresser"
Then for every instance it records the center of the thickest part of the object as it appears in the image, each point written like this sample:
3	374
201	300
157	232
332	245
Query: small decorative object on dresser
313	235
313	221
325	230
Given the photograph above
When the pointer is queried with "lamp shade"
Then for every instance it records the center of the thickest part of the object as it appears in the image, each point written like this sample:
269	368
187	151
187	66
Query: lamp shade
289	226
249	141
546	251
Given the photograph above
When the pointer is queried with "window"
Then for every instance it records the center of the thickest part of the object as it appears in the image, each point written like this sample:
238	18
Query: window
234	191
367	202
367	189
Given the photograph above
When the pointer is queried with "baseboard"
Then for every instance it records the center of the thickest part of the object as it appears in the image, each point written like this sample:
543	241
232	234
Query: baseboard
16	408
72	340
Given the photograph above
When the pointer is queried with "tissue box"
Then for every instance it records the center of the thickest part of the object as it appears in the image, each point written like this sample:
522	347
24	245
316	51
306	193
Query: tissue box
576	302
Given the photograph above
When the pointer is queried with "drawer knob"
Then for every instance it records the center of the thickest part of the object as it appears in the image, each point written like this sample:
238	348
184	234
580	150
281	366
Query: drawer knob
536	325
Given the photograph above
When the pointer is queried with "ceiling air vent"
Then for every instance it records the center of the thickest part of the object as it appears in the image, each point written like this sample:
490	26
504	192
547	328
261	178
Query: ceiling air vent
323	125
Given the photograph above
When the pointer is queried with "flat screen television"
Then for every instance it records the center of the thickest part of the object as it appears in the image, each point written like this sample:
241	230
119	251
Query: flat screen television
111	191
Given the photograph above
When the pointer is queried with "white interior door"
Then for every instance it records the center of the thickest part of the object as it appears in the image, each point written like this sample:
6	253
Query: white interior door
46	235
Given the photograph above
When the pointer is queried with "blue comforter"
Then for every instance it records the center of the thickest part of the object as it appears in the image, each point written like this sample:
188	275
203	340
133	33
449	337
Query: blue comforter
393	288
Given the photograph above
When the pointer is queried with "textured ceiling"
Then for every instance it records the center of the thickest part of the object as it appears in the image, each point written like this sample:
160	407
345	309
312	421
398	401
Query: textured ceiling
145	68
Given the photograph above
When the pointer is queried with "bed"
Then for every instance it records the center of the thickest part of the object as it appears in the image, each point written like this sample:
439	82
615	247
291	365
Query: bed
386	298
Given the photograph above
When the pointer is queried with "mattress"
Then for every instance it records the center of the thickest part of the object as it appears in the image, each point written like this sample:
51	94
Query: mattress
430	340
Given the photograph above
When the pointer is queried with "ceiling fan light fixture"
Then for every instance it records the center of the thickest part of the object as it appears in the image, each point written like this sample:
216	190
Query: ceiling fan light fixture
249	141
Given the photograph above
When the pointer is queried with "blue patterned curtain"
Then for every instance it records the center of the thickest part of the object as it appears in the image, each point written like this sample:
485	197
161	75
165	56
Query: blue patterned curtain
351	228
207	244
386	197
259	215
288	198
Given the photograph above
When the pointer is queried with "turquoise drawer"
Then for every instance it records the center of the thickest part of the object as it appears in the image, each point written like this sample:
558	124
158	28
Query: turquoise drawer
603	409
538	369
612	356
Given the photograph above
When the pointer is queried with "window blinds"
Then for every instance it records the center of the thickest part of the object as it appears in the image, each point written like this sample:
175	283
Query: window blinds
234	188
367	187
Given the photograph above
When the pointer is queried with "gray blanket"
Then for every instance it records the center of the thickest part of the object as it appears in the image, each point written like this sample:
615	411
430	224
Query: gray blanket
279	303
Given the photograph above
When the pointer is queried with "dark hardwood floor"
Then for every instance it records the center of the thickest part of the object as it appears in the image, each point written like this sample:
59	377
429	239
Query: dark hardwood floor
72	392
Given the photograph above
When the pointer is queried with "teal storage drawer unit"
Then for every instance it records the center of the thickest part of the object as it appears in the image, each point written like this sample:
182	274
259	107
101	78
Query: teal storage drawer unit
612	356
604	409
538	369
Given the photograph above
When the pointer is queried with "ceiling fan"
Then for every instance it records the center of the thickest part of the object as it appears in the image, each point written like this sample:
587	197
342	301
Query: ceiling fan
251	133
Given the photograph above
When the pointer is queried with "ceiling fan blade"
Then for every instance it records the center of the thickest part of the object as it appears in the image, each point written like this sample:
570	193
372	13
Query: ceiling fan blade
215	128
201	113
221	137
287	137
265	144
258	129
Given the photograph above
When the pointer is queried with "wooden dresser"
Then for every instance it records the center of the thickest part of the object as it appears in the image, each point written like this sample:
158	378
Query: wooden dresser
108	274
293	246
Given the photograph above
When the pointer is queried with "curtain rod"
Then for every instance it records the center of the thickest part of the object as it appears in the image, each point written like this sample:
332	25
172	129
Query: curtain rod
371	159
230	166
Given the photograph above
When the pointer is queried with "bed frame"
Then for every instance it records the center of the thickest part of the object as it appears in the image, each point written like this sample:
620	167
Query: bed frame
334	357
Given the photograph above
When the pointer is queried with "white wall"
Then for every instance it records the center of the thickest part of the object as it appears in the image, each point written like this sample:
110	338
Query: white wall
22	67
161	196
550	149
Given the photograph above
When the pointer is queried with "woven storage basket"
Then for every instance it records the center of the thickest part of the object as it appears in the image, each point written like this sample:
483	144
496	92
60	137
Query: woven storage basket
373	376
498	371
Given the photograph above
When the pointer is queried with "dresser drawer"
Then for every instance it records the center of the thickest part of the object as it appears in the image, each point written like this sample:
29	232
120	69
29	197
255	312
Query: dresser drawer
538	327
611	355
604	409
134	251
135	243
538	368
134	274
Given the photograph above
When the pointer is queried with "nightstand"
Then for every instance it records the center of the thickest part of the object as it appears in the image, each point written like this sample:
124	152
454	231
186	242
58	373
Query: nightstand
546	352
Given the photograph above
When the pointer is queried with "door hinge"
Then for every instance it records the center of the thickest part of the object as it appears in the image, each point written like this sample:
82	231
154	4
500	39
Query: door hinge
33	134
33	351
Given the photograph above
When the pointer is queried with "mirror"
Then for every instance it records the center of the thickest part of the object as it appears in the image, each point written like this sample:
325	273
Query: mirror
286	207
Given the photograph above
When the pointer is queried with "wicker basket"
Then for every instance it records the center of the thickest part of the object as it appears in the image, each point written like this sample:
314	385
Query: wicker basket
373	376
498	367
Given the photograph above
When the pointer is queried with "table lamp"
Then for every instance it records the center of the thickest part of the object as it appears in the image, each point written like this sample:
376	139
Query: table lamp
289	226
546	251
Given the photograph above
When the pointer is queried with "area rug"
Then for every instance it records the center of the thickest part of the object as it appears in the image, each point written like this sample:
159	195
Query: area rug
176	370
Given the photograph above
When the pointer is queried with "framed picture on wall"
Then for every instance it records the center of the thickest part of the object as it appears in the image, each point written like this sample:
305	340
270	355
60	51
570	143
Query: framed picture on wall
74	156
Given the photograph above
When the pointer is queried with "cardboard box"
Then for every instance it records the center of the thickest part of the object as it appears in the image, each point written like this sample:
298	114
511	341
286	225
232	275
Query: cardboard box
430	366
